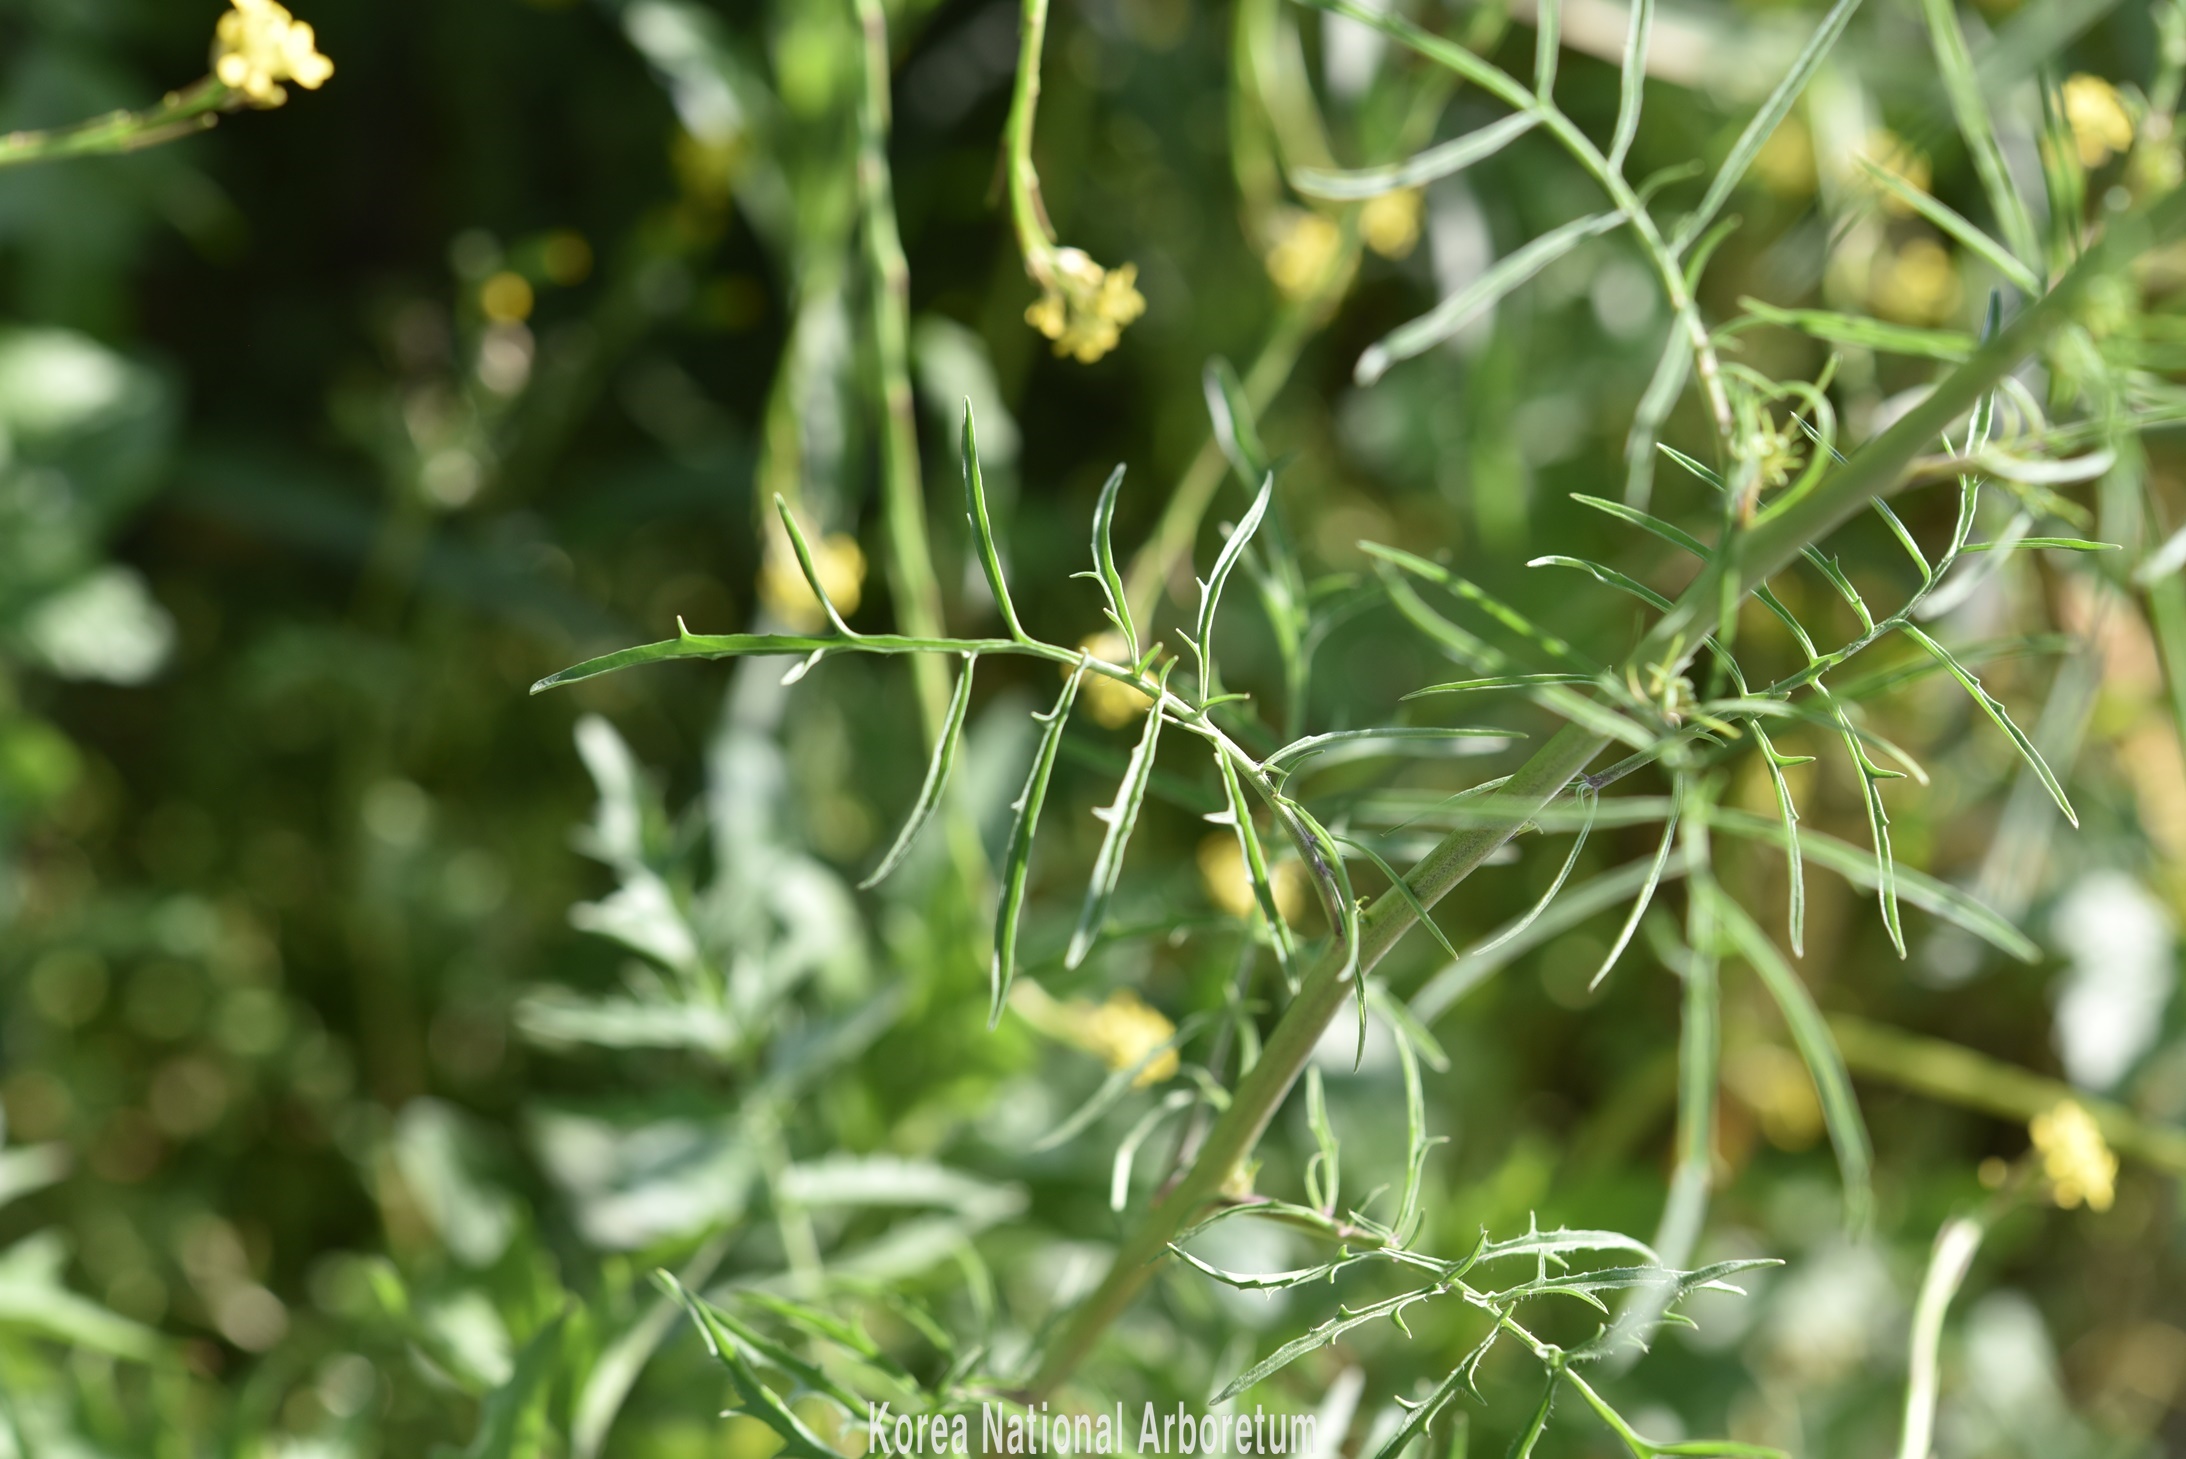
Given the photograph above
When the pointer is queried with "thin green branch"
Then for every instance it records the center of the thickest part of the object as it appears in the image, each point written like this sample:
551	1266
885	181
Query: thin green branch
195	108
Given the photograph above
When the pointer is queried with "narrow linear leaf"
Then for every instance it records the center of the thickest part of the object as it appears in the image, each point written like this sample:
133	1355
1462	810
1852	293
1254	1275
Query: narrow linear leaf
1563	875
1646	891
1971	110
937	777
1818	1048
1766	121
975	513
1396	739
1127	1150
753	1396
1663	389
1896	339
1950	221
1483	74
1319	1337
1795	865
1017	862
1467	304
1210	590
1937	898
1230	413
1238	817
1121	817
1104	563
1444	159
1631	86
1994	709
803	549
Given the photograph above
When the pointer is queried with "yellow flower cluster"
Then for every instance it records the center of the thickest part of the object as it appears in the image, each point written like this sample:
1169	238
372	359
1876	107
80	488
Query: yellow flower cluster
1084	307
2075	1157
2101	126
1122	1032
1390	223
838	561
1111	704
258	45
1305	246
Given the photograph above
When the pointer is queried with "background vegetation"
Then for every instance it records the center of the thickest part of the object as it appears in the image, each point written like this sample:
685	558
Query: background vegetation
371	1030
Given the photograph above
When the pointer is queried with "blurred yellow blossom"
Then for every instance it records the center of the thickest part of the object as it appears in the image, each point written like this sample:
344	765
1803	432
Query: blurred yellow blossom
1785	163
2075	1157
1390	223
1306	245
1111	704
1121	1032
1084	307
1917	284
506	298
1229	885
1893	154
2100	123
258	45
840	565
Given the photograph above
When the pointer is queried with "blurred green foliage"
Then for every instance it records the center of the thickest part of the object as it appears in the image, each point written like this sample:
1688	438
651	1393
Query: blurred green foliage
370	1031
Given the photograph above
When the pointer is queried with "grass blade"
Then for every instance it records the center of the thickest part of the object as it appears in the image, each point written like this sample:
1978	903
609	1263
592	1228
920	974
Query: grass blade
1818	1048
1017	864
975	513
1462	307
1121	818
1994	709
1444	159
937	777
1765	122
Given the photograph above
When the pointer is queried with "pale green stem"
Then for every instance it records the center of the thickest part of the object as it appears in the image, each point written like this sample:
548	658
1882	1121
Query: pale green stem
1955	1246
1028	213
903	501
193	109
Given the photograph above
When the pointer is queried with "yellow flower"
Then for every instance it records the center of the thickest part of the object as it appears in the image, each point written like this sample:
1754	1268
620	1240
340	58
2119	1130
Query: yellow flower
1111	704
1305	245
1121	1032
1390	223
1893	154
1084	307
1918	284
838	561
2075	1157
1785	163
506	298
258	45
2098	118
1124	1031
1229	885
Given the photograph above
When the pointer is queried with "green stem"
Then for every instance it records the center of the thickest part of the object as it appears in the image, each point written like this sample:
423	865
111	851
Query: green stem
1875	471
1028	212
195	108
1954	1074
903	499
